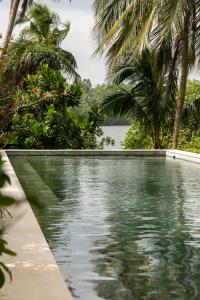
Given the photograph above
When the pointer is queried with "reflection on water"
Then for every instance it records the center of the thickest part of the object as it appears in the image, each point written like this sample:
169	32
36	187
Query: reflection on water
120	229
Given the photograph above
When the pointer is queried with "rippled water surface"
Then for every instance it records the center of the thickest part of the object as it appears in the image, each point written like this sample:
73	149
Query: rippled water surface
123	228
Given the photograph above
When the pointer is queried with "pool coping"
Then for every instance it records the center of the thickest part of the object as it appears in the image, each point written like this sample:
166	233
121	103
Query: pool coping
35	271
14	152
178	154
183	155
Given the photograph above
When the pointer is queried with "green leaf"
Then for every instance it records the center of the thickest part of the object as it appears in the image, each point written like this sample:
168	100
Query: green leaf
2	278
6	201
9	252
3	179
6	269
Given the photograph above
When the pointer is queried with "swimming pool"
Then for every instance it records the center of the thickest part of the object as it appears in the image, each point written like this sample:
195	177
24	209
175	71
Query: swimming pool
120	228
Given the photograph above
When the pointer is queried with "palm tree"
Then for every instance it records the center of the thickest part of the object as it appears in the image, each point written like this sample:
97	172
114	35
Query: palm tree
14	7
38	44
143	94
128	26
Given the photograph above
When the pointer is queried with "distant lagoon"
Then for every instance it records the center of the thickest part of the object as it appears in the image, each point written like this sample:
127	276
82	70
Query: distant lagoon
118	133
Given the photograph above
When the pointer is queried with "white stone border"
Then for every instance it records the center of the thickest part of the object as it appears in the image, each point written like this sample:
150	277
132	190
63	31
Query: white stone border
36	275
184	155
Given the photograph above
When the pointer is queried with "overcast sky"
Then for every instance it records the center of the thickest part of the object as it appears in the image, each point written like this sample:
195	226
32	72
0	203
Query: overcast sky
79	40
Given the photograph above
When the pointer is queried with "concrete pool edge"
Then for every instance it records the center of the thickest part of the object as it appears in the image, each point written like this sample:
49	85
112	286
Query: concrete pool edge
183	155
86	152
35	272
179	154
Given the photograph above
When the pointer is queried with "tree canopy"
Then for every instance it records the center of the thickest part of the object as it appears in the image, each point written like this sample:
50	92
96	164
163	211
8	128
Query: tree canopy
125	28
39	43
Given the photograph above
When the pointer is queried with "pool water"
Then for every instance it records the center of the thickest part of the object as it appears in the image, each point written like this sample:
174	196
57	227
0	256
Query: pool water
120	228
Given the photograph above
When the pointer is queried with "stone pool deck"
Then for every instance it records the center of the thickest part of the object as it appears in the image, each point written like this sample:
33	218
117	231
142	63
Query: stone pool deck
36	275
183	155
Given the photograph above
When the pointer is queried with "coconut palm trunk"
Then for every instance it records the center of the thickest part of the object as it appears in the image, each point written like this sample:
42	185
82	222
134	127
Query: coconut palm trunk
156	136
183	82
12	17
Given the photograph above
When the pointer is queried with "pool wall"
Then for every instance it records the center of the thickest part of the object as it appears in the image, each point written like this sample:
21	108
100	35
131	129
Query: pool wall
86	152
36	275
178	154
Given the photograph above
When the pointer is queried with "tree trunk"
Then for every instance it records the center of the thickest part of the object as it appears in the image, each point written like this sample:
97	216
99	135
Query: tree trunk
11	4
183	82
157	144
12	17
172	71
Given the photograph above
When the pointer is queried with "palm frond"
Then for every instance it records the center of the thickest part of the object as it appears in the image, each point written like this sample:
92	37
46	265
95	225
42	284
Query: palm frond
119	104
128	26
143	95
29	56
39	44
122	26
24	6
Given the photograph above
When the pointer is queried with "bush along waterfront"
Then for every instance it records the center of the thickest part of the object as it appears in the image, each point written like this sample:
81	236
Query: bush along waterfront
144	81
138	138
139	134
43	109
189	139
46	115
125	32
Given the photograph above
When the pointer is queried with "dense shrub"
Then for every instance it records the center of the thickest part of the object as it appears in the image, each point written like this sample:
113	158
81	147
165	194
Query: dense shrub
138	138
47	115
189	140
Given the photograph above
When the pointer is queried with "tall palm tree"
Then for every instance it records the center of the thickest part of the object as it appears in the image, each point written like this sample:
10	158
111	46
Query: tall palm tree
127	26
143	96
14	5
14	8
38	44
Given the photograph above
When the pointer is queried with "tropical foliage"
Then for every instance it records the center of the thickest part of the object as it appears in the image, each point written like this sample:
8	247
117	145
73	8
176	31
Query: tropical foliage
38	44
15	6
94	95
145	96
138	137
128	27
46	115
44	111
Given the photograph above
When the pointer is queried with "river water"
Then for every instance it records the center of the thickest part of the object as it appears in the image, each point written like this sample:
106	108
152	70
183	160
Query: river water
118	133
